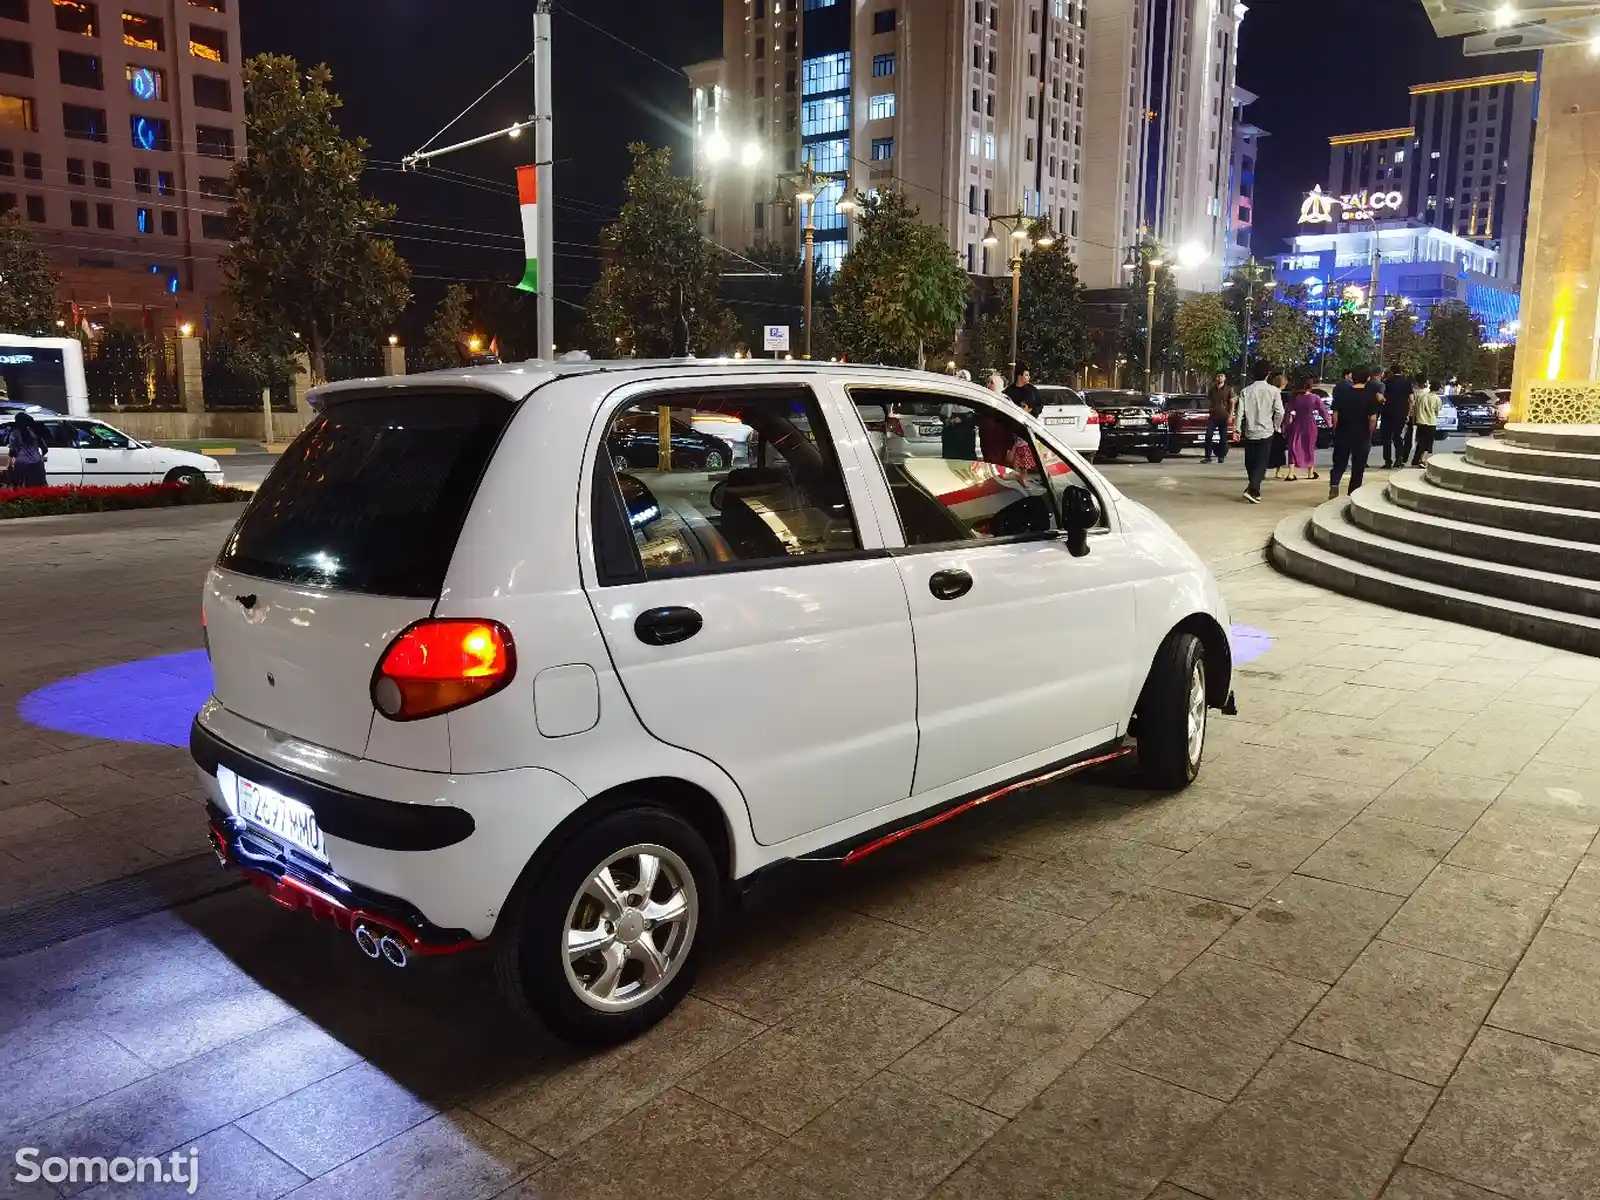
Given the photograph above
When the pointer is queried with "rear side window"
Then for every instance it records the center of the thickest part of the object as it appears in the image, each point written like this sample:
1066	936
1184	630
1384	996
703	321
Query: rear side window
372	496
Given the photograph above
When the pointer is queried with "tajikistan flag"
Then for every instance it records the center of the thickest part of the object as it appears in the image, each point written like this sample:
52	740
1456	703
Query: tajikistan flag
528	197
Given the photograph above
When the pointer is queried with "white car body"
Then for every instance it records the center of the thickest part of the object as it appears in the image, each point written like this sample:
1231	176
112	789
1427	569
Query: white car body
1069	416
85	452
1449	419
821	700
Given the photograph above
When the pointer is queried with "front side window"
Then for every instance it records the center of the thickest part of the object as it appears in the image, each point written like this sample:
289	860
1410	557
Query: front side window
94	436
694	482
959	471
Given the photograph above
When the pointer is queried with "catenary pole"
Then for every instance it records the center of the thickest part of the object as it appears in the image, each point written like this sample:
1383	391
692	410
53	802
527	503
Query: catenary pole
544	154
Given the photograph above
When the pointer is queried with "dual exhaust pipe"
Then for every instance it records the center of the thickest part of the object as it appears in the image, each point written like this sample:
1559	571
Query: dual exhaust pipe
376	944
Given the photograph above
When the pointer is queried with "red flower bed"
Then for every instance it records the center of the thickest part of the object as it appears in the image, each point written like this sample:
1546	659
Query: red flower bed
54	501
9	495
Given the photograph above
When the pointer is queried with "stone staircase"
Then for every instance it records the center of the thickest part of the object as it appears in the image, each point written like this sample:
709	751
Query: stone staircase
1504	535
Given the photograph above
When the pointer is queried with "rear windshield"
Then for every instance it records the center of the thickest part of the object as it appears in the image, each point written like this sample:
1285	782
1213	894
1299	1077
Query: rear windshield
1105	399
372	496
1056	396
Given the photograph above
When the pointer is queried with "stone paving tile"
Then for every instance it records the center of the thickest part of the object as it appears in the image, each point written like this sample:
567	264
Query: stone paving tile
1312	1126
1576	911
1471	915
893	1138
1363	757
1555	790
1099	1133
1146	939
1300	727
1011	931
1213	1026
1003	1052
1309	927
231	1166
1524	845
1380	854
1431	798
1088	877
1552	992
1413	1183
1519	1117
1404	1011
1238	866
335	1119
821	1052
942	972
1178	822
1358	701
1307	806
52	1082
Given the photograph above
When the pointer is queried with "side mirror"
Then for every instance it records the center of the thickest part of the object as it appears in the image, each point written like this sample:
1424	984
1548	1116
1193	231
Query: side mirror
1080	512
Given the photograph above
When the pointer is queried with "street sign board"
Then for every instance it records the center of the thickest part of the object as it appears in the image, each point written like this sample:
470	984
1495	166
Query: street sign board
776	338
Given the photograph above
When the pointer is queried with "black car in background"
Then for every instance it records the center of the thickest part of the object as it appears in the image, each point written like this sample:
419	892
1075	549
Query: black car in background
1187	418
635	444
1475	411
1130	423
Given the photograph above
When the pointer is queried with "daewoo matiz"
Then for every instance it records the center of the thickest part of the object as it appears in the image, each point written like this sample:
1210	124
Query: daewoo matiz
476	682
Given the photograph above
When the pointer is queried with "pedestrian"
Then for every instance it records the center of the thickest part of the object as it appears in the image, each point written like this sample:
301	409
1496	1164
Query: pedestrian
1355	417
996	383
1260	416
1300	426
1425	405
1220	420
1023	394
1279	457
1396	412
28	451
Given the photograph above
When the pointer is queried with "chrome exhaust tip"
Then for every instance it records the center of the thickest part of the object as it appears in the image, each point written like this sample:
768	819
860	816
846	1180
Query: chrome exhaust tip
369	944
394	951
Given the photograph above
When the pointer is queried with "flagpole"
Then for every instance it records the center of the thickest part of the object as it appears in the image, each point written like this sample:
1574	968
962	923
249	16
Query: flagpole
544	153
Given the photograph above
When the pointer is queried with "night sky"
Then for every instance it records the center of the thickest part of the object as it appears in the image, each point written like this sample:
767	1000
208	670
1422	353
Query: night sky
405	67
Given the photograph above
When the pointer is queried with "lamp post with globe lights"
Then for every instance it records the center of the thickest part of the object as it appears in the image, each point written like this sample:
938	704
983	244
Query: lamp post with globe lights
804	183
1019	228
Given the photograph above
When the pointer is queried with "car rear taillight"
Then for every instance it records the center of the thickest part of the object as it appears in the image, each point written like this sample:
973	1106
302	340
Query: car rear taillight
441	664
205	632
1098	419
1158	418
895	428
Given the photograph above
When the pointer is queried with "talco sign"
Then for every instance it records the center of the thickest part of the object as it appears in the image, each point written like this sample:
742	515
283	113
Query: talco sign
1354	206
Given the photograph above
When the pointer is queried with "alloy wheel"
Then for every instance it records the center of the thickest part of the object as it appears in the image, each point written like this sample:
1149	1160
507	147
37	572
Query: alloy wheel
630	927
1197	714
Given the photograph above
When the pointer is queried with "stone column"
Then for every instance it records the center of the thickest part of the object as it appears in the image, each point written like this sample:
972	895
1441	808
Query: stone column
191	376
394	360
1557	375
301	383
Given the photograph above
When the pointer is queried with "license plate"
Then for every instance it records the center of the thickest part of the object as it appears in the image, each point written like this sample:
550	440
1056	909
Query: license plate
930	430
1061	420
282	817
1133	421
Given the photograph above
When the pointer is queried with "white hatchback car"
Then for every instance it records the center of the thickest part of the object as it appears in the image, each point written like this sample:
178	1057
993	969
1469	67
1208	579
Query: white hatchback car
474	684
85	452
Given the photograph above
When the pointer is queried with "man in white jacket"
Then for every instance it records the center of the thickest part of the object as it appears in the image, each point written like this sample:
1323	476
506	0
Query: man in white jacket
1260	416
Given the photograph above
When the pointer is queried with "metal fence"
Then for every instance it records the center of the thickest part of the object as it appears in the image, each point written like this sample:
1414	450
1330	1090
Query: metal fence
354	364
233	381
124	369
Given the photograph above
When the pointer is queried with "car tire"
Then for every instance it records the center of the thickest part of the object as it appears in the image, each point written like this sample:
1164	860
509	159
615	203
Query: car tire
569	994
188	476
1172	714
714	461
620	463
1155	456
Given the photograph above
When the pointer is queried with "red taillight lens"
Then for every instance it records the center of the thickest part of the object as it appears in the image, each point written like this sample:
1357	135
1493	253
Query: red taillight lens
1158	418
1095	419
438	665
895	428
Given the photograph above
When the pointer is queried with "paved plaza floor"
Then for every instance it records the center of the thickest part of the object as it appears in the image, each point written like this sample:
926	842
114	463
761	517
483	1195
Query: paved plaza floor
1360	957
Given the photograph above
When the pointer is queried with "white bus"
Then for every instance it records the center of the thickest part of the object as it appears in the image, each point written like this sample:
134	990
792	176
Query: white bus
44	371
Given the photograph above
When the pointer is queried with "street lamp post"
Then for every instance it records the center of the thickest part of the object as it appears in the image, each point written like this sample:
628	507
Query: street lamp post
1150	317
806	182
1253	272
1020	227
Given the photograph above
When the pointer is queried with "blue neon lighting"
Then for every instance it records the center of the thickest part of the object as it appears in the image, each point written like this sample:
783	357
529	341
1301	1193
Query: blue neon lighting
143	84
144	133
150	701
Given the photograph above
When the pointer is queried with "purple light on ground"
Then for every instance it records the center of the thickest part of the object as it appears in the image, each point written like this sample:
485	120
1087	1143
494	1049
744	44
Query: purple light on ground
151	701
1249	643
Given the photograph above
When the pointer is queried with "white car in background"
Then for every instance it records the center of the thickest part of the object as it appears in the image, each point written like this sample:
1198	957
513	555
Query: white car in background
85	452
1449	419
730	429
1070	417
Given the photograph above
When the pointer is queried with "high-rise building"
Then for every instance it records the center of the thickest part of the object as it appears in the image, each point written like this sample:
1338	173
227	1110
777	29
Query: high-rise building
1242	181
976	108
1463	164
119	125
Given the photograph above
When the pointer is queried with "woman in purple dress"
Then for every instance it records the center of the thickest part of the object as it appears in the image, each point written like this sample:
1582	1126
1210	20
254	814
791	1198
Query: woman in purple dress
1300	426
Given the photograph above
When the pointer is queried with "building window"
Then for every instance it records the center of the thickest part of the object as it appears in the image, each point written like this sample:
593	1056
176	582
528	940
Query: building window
972	144
17	112
972	199
32	166
14	10
102	175
8	201
78	16
8	162
882	64
829	157
976	107
105	216
825	73
993	61
810	4
89	124
1074	223
81	70
143	221
143	32
209	44
829	115
36	209
971	255
880	108
215	187
150	133
1033	20
883	21
758	9
986	195
760	221
169	223
988	145
761	47
1033	64
213	142
214	93
789	42
141	180
80	214
16	58
215	227
882	149
77	172
994	16
216	6
164	184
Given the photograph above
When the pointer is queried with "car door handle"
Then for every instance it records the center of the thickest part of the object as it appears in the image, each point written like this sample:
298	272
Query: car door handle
666	626
91	460
948	585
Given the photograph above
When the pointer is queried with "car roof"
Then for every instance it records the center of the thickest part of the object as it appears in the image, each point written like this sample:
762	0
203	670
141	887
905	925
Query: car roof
515	380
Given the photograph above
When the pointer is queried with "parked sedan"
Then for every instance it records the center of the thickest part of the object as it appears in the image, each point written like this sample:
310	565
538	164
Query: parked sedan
89	453
635	443
1475	411
1187	417
1130	423
1067	415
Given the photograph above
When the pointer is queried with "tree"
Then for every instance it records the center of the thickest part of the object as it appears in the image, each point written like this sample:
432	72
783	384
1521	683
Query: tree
1493	364
1451	340
1353	345
1206	337
1403	349
448	331
1052	323
901	292
1288	337
505	314
27	280
658	294
306	259
1249	294
1163	348
766	286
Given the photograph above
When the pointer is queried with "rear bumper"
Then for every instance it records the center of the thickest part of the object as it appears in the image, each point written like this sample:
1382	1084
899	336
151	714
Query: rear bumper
1116	440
